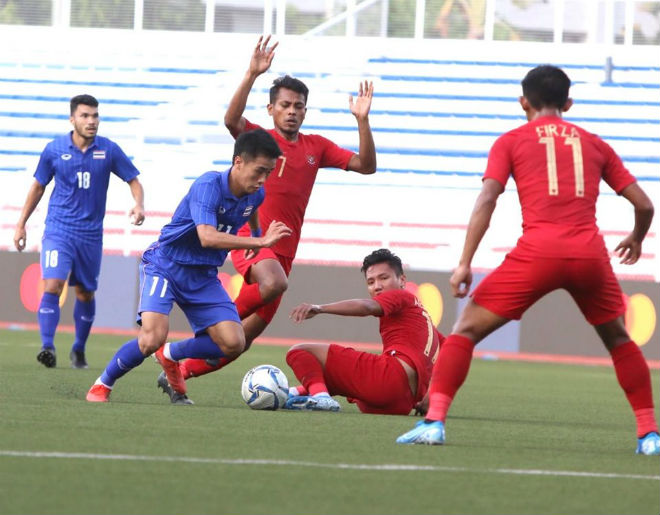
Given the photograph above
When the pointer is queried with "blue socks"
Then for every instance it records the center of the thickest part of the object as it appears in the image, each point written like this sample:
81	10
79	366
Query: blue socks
127	358
83	317
48	317
200	346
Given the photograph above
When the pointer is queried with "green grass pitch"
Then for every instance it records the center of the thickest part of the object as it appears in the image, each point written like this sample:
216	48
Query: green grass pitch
522	438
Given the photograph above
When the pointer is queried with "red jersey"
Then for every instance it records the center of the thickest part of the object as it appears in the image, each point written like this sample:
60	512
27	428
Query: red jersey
289	185
557	167
408	332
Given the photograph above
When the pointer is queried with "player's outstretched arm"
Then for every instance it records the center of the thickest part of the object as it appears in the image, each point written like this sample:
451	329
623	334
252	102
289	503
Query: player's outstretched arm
34	195
630	248
461	279
210	237
364	161
352	307
261	59
137	212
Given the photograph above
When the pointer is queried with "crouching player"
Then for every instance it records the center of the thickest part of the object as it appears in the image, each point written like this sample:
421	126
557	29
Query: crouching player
389	383
182	266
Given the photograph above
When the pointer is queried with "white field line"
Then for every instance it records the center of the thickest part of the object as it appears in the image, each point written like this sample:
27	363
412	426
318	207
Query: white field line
340	466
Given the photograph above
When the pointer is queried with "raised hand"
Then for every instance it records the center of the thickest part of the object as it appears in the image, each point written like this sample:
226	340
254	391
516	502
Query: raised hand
262	56
362	104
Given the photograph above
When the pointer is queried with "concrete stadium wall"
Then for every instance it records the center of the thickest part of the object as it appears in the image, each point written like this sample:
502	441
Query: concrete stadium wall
553	326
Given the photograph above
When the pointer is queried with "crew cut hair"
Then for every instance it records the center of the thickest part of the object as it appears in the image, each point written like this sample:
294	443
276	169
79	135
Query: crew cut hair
87	100
546	86
252	144
383	256
288	82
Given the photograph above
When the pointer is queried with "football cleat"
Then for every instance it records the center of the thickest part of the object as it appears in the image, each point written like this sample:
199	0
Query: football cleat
47	357
175	397
426	433
649	445
172	371
98	393
312	403
78	359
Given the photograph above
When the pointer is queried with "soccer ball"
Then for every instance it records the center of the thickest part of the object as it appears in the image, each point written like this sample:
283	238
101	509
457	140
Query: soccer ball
265	387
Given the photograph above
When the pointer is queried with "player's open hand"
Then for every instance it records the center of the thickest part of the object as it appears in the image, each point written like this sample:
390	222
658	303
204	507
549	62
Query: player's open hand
304	311
276	231
262	56
20	238
137	215
362	104
461	280
629	250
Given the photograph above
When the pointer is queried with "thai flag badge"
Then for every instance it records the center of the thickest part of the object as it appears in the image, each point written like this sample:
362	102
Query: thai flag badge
98	154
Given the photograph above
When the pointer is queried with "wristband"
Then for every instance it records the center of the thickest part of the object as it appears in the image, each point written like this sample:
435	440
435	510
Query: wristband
256	233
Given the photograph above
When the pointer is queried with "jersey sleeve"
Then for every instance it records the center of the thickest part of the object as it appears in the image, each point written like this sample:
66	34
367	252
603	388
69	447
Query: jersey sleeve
45	170
122	166
499	161
395	300
615	174
249	126
334	156
202	203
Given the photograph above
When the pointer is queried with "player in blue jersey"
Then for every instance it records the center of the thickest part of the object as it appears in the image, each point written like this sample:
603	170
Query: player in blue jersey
182	266
81	163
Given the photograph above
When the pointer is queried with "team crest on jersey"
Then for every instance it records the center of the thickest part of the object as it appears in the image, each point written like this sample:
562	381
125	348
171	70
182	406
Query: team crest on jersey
98	154
65	157
311	160
248	211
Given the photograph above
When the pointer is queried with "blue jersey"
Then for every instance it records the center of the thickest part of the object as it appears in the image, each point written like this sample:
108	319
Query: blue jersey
208	202
77	204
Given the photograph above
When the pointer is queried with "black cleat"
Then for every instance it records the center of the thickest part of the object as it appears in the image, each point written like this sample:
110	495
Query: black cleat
175	397
78	359
47	358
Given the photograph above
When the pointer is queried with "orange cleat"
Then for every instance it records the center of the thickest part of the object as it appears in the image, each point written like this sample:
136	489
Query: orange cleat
98	393
172	371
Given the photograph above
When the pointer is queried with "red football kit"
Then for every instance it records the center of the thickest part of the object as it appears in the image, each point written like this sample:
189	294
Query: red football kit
288	189
557	168
378	383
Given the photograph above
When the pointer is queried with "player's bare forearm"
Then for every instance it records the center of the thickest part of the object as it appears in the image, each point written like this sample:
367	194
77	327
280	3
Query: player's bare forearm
210	237
34	195
261	59
352	307
137	191
480	218
629	249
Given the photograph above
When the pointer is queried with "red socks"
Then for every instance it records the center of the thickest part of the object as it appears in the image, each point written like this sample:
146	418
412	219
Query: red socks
449	372
308	370
249	300
199	367
633	374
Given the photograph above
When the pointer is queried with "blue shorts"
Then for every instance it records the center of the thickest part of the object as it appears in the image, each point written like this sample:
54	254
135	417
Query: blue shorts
196	290
61	255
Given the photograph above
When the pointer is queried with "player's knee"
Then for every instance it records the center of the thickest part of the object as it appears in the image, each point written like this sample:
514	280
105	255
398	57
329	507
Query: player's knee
273	287
295	350
149	341
232	347
54	286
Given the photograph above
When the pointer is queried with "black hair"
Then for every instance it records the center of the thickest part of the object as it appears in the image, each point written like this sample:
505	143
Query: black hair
288	82
252	144
87	100
546	86
383	256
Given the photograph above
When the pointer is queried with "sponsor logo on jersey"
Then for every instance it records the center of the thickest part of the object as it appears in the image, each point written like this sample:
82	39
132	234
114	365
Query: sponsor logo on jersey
65	157
311	160
98	154
248	210
221	210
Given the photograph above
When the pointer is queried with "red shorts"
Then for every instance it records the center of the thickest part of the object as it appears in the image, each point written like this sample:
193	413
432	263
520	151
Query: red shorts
243	266
377	383
520	281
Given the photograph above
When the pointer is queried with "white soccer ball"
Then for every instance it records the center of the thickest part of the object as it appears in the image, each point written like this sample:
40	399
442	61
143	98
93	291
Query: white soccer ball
265	387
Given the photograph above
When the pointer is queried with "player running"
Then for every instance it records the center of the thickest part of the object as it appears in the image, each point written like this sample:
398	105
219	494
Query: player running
390	383
288	190
557	167
182	266
72	244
